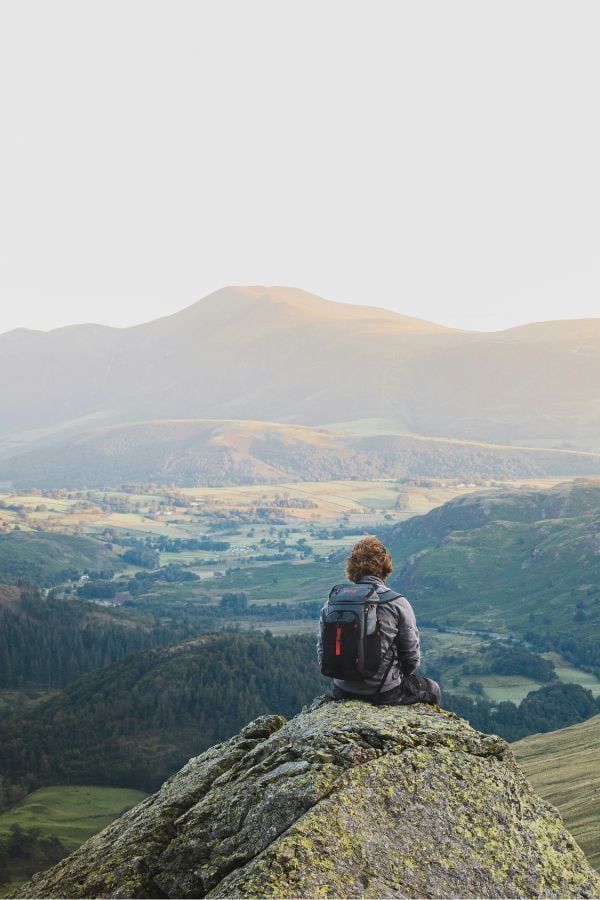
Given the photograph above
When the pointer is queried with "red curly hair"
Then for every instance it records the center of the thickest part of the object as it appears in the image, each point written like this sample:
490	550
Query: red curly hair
369	557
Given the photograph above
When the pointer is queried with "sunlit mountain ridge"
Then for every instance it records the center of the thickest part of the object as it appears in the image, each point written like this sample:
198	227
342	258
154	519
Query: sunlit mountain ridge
285	356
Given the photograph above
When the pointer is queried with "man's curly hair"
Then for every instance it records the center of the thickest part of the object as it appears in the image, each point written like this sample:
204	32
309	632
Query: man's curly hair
369	557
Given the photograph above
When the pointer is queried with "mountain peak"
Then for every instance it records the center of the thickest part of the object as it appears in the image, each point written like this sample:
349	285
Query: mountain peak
301	306
344	800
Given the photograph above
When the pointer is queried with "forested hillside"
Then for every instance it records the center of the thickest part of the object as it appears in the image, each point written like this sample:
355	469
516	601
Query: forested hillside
47	642
133	723
136	722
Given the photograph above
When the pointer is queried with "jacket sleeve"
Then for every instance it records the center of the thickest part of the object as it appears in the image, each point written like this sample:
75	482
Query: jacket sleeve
407	640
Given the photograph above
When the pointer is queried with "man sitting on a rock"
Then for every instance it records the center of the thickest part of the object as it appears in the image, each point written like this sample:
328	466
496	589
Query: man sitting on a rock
371	640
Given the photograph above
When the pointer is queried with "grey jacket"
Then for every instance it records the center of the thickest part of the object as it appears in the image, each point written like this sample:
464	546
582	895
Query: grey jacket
398	628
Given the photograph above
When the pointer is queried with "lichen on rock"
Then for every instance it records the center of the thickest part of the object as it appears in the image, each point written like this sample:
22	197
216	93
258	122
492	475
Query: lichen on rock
344	800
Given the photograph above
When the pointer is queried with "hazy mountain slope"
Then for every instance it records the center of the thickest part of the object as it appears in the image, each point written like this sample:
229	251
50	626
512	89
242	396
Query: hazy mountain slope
564	768
516	562
221	356
513	385
278	354
194	452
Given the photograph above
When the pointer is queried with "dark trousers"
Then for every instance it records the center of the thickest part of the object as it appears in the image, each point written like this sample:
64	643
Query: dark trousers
412	689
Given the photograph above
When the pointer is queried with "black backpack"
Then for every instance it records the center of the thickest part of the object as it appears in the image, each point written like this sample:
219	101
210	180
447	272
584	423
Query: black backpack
351	632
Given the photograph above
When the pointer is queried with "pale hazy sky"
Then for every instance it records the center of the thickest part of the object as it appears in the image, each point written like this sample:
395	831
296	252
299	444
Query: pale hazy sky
437	158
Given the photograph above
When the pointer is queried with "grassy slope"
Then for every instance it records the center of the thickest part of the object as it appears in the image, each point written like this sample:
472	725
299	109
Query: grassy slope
564	767
42	557
474	510
71	813
284	581
507	562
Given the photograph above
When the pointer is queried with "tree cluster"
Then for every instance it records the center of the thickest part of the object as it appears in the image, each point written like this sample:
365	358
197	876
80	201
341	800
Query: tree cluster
507	659
547	709
171	574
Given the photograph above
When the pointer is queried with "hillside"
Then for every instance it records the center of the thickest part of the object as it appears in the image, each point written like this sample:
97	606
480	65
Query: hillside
46	642
52	822
332	804
472	511
564	768
281	355
48	559
213	452
135	722
520	562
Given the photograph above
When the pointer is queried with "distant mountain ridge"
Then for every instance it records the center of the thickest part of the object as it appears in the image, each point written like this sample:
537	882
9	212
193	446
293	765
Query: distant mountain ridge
189	452
283	355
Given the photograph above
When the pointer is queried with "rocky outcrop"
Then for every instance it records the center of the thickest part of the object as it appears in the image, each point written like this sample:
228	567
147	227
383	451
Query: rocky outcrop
344	800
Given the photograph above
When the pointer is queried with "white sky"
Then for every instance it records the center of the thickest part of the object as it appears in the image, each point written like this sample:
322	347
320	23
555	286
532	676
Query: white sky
437	158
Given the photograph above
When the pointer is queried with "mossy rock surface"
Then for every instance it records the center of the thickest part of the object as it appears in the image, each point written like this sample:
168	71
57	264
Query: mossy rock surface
344	800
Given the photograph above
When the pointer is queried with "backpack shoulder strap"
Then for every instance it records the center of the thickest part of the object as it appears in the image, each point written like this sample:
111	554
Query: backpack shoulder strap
387	596
386	673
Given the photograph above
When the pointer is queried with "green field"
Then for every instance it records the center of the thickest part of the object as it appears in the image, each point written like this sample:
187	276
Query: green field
507	687
564	767
288	626
585	679
70	813
497	688
256	520
253	519
362	503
